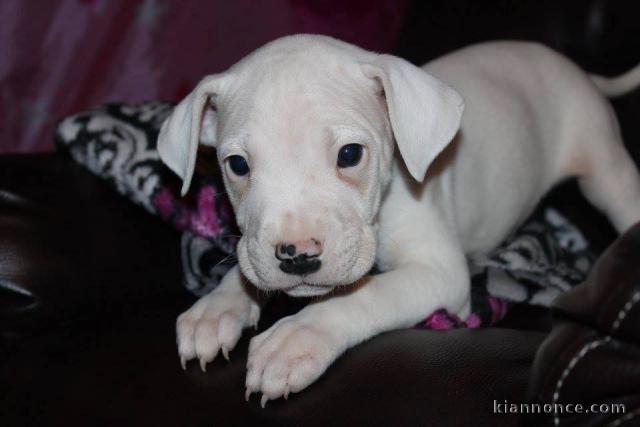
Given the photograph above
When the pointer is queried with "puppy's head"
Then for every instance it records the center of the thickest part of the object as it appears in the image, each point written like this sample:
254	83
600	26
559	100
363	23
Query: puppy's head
304	130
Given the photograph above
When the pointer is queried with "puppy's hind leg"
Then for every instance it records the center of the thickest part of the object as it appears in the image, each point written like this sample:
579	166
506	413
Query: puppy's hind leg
612	182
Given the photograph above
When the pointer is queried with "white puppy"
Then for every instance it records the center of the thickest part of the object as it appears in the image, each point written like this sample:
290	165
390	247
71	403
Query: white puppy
305	130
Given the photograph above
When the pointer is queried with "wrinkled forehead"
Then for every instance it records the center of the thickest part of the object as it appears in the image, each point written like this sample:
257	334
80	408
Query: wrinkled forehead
300	99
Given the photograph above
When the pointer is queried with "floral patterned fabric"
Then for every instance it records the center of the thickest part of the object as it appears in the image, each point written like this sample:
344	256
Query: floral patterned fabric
546	256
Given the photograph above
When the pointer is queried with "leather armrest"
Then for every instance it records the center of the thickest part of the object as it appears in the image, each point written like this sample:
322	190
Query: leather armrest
69	245
592	355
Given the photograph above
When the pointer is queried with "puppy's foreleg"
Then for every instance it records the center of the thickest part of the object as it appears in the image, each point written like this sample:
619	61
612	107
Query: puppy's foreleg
298	349
215	322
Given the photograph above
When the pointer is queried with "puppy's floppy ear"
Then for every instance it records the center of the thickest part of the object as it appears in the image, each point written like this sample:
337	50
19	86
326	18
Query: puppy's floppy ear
425	113
192	121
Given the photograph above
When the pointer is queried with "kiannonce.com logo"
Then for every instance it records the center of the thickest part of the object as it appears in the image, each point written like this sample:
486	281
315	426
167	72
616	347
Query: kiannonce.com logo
506	407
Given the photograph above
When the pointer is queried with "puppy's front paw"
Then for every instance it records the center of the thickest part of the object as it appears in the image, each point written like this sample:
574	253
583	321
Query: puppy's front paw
214	323
289	356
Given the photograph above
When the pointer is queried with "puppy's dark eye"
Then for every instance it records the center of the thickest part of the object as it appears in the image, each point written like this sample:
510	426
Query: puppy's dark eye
238	165
349	155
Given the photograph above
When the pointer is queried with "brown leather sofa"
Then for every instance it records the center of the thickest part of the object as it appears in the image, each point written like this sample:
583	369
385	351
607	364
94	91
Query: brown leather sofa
90	287
90	292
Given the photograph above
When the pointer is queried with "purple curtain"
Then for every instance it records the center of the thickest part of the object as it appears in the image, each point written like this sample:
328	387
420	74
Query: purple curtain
62	56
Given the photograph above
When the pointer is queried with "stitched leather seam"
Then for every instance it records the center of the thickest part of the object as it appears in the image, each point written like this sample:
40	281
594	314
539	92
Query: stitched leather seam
622	314
623	419
625	311
572	363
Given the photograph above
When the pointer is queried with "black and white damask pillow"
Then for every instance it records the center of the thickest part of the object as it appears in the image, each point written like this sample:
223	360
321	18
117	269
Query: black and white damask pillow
117	142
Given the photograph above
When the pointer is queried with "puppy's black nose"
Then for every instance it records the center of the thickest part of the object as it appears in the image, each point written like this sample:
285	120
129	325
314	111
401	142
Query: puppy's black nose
300	257
310	247
300	265
286	250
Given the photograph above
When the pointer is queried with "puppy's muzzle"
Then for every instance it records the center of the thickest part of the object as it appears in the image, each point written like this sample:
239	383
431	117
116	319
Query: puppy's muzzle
300	258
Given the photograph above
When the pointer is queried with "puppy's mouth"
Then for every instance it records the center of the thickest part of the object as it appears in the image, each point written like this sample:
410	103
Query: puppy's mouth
307	290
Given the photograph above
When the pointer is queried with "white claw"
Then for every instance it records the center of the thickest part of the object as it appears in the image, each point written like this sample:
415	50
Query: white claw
247	395
263	401
183	363
203	365
225	353
286	394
